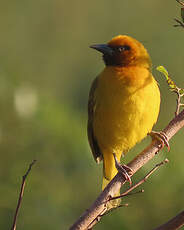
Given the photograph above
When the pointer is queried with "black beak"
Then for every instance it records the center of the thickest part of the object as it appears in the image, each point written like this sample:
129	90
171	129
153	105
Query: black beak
103	48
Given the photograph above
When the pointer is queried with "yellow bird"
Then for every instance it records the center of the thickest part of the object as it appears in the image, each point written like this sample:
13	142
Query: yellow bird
124	102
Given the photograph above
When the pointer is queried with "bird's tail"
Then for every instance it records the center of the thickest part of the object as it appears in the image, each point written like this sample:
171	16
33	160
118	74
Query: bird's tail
109	171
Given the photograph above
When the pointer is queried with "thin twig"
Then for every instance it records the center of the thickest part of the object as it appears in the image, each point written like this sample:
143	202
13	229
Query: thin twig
134	193
175	223
115	208
181	24
21	195
178	100
173	87
141	181
98	218
180	2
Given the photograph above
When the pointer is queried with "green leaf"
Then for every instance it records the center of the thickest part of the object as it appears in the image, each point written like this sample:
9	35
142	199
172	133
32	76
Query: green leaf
170	82
163	70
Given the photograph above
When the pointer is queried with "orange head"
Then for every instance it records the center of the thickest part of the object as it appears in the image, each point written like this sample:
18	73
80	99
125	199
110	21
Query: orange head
123	51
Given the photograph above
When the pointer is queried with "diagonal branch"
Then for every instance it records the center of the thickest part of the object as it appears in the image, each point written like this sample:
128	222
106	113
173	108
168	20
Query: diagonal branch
175	223
21	195
98	207
128	192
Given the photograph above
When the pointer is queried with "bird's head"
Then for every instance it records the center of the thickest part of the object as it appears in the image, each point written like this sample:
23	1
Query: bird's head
122	51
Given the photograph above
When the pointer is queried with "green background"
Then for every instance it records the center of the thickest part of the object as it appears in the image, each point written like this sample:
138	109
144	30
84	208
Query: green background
46	68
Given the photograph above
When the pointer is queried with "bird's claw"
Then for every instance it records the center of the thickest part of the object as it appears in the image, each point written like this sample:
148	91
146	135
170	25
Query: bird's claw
123	169
162	138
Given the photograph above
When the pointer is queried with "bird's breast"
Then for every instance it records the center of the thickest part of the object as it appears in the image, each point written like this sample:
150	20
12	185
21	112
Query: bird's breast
127	106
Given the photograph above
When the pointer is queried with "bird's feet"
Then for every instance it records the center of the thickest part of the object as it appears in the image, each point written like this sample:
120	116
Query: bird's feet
123	169
162	138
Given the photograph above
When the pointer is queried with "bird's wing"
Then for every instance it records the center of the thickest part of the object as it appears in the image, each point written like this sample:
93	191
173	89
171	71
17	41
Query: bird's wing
91	110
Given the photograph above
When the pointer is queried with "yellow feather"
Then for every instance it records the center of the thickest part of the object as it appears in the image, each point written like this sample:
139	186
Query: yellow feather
126	110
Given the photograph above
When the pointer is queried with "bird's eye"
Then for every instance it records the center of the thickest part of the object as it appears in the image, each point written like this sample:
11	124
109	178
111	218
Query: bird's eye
123	48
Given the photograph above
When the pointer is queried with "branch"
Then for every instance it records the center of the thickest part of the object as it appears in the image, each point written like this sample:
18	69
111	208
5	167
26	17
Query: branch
98	208
180	24
145	178
180	2
178	100
21	195
173	87
128	192
175	223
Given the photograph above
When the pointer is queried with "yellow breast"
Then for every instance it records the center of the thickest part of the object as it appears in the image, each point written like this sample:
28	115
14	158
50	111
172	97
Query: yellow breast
127	106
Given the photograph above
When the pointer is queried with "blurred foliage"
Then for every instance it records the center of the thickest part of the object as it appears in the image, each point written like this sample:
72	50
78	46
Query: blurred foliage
46	69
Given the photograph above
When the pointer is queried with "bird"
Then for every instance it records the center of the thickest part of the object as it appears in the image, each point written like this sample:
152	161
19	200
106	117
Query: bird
123	104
